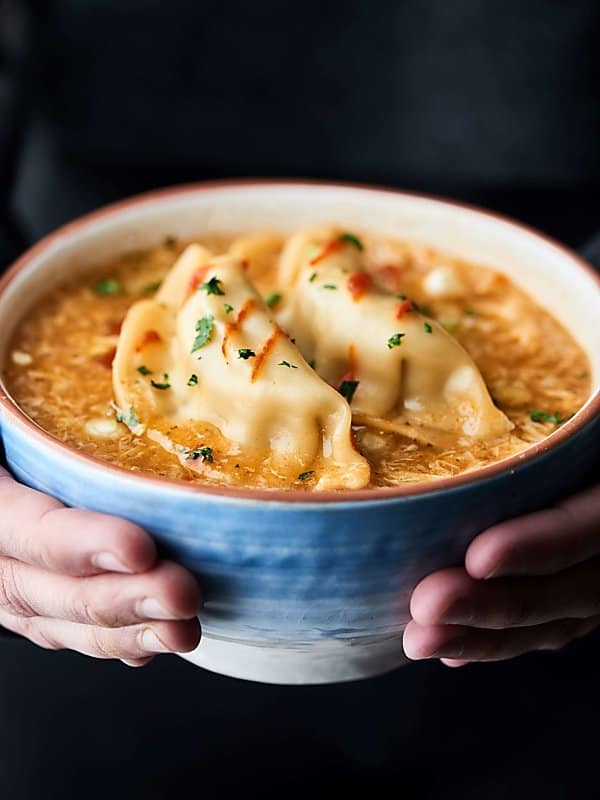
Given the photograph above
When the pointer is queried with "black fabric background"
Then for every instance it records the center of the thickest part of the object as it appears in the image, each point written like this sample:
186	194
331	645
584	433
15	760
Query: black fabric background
495	103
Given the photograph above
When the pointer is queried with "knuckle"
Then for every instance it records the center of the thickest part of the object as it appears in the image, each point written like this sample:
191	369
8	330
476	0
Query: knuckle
12	594
101	644
44	639
519	612
101	608
32	629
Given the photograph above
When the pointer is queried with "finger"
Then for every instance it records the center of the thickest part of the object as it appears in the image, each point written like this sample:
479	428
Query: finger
39	530
167	591
453	597
128	644
137	662
459	643
541	543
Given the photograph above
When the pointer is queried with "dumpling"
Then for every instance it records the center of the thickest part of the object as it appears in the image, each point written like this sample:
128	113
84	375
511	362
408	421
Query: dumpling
400	370
204	370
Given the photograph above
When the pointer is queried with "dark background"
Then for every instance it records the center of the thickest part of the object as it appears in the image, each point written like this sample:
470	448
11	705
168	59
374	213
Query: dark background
490	102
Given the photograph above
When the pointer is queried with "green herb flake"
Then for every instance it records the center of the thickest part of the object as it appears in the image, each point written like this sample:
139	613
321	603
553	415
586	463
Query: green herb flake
204	328
312	277
312	363
202	453
164	384
395	340
287	364
132	421
228	308
192	380
347	389
351	238
150	288
246	353
402	297
273	299
329	286
213	286
542	416
428	328
304	475
451	326
107	286
143	370
425	310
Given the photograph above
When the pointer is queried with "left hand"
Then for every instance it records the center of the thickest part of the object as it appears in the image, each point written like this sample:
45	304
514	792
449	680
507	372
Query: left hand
532	583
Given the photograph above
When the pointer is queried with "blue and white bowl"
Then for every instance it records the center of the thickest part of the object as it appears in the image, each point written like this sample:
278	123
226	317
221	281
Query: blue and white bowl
300	587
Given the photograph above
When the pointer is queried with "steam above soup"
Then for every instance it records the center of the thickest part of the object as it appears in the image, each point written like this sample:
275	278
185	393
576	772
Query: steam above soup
327	360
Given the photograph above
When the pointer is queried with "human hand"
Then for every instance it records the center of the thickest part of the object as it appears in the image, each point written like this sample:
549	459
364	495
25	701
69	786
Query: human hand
532	583
89	582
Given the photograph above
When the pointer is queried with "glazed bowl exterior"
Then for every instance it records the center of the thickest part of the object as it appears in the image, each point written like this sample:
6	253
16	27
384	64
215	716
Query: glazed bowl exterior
301	587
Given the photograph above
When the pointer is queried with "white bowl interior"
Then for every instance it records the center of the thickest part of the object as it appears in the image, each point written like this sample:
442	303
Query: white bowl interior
546	271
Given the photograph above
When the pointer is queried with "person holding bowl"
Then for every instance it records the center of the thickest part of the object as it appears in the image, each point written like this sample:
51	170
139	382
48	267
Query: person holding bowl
526	584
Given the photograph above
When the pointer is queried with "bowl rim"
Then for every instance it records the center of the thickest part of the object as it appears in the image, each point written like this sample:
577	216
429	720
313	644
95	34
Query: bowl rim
504	466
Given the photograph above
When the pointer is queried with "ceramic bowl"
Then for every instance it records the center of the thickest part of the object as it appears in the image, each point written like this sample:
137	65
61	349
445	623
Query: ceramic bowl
308	588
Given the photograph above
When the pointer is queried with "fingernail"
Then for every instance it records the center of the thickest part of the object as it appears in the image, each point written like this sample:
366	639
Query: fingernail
151	643
150	608
109	562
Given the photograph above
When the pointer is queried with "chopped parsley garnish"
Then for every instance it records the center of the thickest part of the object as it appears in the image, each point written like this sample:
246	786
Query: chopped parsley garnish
228	308
395	340
202	453
350	238
543	416
304	475
329	286
132	421
287	364
246	353
425	310
143	370
428	328
213	286
192	380
312	363
273	299
347	389
204	328
164	384
107	286
451	326
402	297
150	288
312	277
170	242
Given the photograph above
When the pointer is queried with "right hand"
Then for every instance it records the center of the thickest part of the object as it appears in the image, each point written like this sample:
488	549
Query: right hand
89	582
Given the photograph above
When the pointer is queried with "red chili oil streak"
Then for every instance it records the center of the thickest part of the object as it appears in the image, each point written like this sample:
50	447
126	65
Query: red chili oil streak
358	284
232	327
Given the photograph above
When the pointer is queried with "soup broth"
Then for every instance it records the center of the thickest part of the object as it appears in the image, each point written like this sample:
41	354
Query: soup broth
59	367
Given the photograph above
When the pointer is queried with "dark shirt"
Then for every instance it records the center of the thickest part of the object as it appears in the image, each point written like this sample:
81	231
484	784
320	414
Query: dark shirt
491	102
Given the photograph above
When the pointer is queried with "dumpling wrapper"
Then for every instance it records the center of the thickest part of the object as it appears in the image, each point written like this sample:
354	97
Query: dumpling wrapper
268	412
422	383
